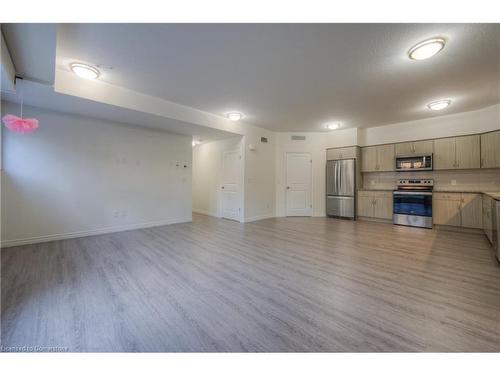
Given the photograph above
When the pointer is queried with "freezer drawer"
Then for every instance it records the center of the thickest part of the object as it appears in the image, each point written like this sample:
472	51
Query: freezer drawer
340	206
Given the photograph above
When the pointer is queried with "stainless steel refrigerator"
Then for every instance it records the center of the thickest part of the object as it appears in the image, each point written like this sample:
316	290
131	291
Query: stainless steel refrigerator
341	188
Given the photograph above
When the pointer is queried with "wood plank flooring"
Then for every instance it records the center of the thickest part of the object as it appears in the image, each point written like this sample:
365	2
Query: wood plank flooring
276	285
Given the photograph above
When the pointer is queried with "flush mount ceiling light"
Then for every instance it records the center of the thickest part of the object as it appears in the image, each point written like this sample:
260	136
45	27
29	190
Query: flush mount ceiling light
426	49
234	116
332	126
439	104
84	70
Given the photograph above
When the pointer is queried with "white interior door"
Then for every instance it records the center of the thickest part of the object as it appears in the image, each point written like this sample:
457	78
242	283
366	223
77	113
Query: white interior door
298	184
230	194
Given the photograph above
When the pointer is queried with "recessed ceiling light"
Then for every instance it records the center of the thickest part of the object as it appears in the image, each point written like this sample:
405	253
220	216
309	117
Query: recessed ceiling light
332	126
84	70
234	116
426	49
439	104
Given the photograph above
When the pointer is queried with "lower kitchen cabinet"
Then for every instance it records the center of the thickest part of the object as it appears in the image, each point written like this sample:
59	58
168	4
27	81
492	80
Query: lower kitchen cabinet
457	209
375	204
471	210
488	205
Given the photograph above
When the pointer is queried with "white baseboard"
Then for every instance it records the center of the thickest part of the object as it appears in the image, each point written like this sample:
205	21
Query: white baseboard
93	232
204	212
258	217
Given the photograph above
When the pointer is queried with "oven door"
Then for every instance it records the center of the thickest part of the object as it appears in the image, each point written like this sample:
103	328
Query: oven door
413	208
417	203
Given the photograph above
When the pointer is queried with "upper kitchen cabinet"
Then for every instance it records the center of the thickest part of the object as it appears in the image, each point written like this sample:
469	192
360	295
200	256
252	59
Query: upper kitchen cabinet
457	152
377	158
490	150
341	153
369	159
414	148
444	153
468	152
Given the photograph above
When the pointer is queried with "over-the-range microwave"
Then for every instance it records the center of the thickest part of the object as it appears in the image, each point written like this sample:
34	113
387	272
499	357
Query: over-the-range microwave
414	163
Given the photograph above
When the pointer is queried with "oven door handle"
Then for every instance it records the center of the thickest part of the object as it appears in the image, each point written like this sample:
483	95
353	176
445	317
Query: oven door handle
412	193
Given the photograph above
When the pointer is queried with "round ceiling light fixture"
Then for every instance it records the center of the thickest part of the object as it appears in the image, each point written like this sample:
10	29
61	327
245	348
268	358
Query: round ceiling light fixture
332	126
234	116
84	70
426	49
438	105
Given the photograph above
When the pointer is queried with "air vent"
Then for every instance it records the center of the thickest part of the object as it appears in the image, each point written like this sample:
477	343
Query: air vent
298	137
263	139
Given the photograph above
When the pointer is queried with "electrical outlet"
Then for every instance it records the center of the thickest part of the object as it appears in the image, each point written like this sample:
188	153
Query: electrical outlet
453	182
372	182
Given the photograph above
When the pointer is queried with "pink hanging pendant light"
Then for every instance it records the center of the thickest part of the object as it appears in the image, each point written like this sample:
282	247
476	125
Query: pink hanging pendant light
19	124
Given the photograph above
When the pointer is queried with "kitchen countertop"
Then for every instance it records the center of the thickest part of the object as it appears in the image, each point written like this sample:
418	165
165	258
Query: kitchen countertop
495	194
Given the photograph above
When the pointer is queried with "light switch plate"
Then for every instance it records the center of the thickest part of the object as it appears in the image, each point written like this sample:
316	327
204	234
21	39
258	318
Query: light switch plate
453	182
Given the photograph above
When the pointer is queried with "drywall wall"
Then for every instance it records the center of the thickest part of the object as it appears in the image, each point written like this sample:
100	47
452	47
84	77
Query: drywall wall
207	174
472	122
259	175
78	176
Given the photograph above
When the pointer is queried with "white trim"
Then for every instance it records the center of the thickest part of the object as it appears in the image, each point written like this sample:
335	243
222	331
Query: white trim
258	217
205	212
93	232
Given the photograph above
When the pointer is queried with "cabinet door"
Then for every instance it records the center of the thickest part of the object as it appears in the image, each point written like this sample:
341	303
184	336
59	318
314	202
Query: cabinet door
365	204
490	150
423	147
383	205
444	153
472	210
487	218
332	154
348	153
369	159
402	149
385	158
468	152
446	210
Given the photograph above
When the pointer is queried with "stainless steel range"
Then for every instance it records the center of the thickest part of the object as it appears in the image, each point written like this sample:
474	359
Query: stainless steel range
413	203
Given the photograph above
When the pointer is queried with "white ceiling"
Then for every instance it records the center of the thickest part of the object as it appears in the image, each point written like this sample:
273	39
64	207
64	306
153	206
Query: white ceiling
295	77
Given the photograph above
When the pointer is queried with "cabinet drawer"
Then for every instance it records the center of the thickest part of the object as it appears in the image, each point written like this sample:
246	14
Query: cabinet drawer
383	194
365	193
448	196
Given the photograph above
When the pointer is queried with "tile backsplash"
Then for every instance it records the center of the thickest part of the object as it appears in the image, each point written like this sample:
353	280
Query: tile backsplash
456	180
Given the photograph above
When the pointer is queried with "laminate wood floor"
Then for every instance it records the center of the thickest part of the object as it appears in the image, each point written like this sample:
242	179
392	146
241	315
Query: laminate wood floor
277	285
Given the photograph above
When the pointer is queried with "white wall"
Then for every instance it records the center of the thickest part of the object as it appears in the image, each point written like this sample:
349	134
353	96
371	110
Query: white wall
472	122
207	174
259	173
78	176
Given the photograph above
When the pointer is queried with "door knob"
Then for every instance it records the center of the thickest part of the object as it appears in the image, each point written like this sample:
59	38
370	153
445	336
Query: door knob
288	188
222	187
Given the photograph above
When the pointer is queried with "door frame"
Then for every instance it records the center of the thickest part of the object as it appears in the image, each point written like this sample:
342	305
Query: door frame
311	187
238	183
